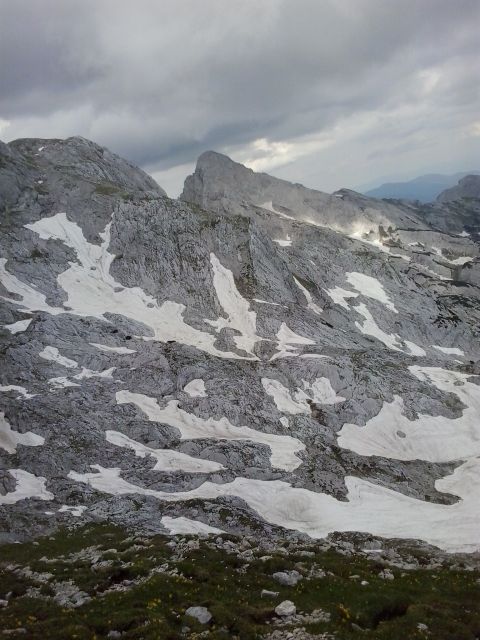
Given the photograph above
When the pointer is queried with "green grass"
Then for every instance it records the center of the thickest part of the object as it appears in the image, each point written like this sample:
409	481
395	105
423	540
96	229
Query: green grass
106	189
446	600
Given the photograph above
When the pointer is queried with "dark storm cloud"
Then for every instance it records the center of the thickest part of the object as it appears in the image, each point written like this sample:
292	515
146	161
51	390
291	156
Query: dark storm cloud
161	81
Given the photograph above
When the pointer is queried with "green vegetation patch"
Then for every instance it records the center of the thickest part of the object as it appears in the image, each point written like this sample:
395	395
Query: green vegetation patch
100	578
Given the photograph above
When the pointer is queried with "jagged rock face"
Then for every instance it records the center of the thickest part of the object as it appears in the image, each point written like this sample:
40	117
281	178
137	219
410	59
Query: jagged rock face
219	184
430	235
468	187
234	366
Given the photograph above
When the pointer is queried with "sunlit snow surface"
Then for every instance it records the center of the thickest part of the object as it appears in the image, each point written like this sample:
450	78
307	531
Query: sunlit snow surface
53	354
74	511
449	350
237	309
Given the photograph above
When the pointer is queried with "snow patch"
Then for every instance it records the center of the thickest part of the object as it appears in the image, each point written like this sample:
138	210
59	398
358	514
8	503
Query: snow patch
53	354
186	527
288	341
274	304
196	388
74	511
119	350
9	439
339	296
369	508
414	349
284	243
269	207
61	383
92	291
28	486
191	427
21	390
371	328
320	391
449	350
19	326
371	288
237	309
310	303
390	434
166	459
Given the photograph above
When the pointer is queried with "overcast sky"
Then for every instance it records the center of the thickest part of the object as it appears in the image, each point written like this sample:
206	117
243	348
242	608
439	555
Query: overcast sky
329	93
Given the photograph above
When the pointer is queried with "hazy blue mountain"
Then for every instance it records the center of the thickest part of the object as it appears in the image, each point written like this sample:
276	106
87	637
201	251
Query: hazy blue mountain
424	188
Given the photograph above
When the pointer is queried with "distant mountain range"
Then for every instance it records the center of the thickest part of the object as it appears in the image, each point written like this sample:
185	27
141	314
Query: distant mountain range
424	188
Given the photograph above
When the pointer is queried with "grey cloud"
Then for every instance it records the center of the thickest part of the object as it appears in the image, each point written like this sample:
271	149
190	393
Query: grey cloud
159	82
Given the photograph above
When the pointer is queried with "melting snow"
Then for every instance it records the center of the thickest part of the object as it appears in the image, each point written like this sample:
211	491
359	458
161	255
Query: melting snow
274	304
284	243
119	350
53	354
196	388
166	459
310	304
191	427
339	296
28	486
371	328
92	291
449	350
186	527
18	327
9	439
21	390
239	316
414	349
370	287
287	341
369	508
461	260
320	391
61	383
433	438
88	373
74	511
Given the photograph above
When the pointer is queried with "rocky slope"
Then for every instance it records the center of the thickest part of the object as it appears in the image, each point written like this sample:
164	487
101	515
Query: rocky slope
467	187
255	357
